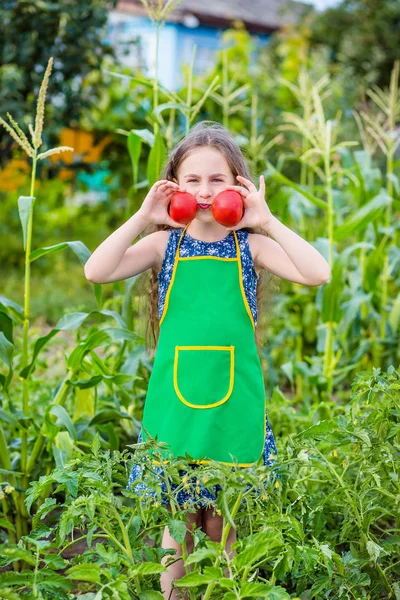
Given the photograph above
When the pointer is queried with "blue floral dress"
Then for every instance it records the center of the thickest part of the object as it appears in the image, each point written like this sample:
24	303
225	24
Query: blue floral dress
193	247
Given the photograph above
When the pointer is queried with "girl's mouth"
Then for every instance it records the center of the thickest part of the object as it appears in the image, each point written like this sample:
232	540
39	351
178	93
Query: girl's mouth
204	206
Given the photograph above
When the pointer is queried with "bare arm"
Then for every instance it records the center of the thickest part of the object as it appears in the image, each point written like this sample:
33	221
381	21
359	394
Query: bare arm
114	260
290	256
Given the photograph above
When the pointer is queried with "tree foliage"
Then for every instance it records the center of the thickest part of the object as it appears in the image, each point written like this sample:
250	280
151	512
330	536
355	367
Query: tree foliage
71	31
362	34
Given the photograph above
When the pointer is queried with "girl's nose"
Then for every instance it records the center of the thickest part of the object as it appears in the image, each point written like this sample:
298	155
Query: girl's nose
205	193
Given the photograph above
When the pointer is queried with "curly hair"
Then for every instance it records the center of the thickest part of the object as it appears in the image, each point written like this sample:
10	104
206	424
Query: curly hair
214	135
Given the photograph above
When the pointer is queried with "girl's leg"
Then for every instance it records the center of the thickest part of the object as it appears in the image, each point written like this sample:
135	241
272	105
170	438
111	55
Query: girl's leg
212	526
177	569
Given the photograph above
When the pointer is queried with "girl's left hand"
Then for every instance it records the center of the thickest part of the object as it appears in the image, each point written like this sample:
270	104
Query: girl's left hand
256	211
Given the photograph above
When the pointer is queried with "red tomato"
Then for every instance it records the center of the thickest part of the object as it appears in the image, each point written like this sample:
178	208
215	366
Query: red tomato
227	208
183	207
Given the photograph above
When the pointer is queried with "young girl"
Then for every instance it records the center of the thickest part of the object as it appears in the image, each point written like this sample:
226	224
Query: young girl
206	393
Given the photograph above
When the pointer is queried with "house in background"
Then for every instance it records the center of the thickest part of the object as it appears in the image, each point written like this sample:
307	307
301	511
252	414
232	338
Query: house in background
133	36
132	33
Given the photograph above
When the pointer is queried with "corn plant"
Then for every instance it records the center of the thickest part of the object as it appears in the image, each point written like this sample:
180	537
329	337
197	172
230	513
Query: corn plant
325	156
25	207
383	128
230	93
303	93
51	436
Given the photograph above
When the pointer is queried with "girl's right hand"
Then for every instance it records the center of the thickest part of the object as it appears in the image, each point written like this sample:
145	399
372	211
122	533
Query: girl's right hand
155	204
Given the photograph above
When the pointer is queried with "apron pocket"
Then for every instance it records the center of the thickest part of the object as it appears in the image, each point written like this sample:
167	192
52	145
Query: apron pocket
204	375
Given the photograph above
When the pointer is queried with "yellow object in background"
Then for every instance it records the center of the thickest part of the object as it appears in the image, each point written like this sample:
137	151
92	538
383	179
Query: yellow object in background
17	170
14	174
84	149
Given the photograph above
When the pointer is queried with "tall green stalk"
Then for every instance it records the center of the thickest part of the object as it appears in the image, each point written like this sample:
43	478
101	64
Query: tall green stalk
320	134
158	12
329	340
26	204
227	99
189	90
382	127
225	532
155	81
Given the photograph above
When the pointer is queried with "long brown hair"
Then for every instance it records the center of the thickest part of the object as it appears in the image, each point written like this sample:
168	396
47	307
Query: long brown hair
212	134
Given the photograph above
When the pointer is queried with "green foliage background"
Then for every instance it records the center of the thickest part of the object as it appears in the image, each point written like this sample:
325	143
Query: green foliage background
73	385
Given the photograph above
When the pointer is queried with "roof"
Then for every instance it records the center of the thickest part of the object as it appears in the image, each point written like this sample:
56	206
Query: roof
262	16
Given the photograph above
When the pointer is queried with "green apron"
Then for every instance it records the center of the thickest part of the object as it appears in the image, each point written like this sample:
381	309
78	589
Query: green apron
206	393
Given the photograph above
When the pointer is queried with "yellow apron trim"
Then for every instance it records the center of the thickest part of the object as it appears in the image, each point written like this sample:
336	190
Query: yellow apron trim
238	258
241	280
176	258
203	257
206	462
230	349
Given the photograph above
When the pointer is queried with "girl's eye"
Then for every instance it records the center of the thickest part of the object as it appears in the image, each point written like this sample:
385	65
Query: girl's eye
215	179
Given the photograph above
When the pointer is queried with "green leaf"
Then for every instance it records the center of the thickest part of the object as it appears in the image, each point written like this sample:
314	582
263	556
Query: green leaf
150	595
394	315
215	572
257	548
145	135
359	219
395	180
363	159
134	149
98	294
85	403
84	384
6	350
79	248
68	478
47	506
194	579
16	308
257	590
6	325
63	418
226	512
317	429
70	322
201	554
11	554
146	82
6	524
84	572
177	530
63	448
226	583
331	311
98	338
148	568
211	88
25	205
95	447
156	160
275	174
108	416
23	578
6	355
170	105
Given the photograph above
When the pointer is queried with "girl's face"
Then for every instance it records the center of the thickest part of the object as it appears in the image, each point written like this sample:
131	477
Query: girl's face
205	173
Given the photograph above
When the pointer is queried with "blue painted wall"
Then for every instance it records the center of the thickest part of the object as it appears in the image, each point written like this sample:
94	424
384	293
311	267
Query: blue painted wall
175	46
